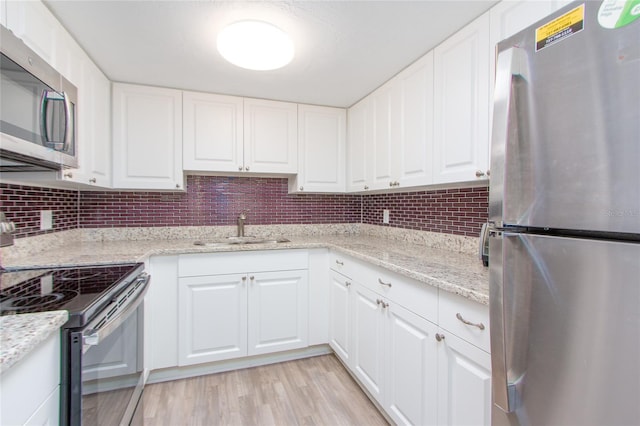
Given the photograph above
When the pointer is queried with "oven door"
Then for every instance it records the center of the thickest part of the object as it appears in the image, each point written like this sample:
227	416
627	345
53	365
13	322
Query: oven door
103	362
112	374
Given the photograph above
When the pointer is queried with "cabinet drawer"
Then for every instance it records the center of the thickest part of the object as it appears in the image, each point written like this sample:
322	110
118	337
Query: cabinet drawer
193	265
413	295
343	264
455	309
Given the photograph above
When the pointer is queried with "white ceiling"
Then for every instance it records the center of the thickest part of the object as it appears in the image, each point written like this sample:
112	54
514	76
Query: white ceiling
344	49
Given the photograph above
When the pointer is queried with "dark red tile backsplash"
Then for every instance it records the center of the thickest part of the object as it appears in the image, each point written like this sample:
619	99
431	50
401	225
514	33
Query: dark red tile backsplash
212	201
22	205
460	211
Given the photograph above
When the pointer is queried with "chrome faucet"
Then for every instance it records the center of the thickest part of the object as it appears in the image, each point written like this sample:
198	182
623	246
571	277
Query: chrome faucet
241	220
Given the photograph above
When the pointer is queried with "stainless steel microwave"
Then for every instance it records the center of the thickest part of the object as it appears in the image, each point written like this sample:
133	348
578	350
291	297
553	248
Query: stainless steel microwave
37	111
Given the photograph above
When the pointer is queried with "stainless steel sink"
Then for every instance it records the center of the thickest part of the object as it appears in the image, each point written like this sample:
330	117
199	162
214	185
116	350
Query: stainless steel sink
240	240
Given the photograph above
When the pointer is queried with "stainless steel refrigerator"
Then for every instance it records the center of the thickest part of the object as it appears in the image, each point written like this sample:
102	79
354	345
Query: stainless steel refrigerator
564	217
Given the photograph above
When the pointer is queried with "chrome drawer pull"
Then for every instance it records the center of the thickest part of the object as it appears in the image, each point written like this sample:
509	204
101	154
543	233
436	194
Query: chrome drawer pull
383	283
479	325
339	262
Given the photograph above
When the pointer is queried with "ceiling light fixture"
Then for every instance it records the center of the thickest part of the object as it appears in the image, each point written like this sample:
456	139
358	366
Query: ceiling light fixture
255	45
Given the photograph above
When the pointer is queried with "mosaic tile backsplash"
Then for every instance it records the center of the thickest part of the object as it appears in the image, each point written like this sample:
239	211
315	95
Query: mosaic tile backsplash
216	201
460	211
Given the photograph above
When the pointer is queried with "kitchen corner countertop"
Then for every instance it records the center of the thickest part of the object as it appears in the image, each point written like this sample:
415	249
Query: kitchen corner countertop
20	334
457	273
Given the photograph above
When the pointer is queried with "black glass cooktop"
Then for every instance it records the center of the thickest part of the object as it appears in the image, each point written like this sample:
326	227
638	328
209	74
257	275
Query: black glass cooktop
75	289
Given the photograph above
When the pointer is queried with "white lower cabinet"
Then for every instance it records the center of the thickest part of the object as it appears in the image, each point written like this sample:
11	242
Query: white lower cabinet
340	288
412	385
464	383
407	347
31	388
394	357
234	315
212	317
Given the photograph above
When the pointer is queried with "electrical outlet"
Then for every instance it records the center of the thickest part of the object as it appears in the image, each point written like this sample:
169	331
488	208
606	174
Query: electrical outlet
46	219
385	216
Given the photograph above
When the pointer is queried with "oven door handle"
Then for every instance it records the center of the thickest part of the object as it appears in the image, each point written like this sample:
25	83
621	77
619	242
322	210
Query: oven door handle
93	336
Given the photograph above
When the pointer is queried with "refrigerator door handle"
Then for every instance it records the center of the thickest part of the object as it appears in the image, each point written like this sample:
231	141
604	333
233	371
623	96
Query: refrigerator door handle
503	391
511	63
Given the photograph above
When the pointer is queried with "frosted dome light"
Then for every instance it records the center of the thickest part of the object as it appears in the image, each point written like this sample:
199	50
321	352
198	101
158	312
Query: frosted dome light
255	45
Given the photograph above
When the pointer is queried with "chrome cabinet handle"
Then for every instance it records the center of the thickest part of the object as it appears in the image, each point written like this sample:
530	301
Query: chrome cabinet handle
239	168
339	262
479	325
68	175
302	188
244	278
366	187
383	283
247	168
439	337
252	277
92	180
347	284
479	173
381	302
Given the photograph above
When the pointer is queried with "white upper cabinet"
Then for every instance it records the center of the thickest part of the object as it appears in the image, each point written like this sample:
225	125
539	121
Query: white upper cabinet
360	134
32	22
414	157
382	155
147	137
270	136
213	132
321	150
94	129
461	108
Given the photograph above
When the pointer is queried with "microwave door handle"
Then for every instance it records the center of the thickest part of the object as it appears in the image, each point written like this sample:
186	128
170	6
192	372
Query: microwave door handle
68	120
43	118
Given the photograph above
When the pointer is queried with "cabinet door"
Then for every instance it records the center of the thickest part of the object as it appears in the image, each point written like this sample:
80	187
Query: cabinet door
278	311
464	383
147	137
461	109
270	136
412	378
415	84
94	129
213	132
368	340
386	112
321	143
360	133
32	22
212	318
340	316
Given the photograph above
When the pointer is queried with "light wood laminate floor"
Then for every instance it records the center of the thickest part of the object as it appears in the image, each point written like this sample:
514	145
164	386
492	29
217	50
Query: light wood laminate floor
311	391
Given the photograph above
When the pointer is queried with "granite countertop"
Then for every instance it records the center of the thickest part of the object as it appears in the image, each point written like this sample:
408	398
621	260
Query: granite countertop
454	272
20	334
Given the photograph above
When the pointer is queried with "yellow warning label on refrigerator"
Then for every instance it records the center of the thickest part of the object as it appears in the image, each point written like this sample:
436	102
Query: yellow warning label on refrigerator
560	28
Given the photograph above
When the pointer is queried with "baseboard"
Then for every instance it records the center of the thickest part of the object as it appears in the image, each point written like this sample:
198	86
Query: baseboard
176	373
